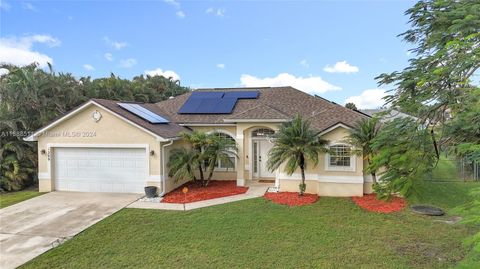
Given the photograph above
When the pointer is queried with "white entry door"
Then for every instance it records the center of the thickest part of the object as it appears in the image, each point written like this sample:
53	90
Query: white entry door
100	169
260	150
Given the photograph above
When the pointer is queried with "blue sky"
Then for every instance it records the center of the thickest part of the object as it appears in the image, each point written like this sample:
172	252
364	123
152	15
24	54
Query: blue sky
331	48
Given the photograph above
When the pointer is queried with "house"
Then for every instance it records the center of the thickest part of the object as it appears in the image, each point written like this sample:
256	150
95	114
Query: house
112	146
386	115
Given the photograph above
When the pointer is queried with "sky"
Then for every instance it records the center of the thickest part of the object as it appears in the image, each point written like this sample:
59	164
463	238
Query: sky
334	49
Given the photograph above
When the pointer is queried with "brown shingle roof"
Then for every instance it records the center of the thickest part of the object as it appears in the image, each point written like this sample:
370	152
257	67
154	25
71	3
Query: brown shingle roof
272	102
168	130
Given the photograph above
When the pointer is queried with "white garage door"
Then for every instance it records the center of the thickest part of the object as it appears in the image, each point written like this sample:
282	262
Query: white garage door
100	169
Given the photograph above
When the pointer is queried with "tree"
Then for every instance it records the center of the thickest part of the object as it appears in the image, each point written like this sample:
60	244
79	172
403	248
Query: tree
218	149
204	152
361	136
437	84
295	145
447	53
405	152
351	106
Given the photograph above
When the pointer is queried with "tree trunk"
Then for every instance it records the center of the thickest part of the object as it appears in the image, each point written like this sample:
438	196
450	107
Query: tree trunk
374	177
302	169
202	178
210	171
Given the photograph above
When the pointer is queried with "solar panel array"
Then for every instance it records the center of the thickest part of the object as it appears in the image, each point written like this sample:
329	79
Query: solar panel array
143	113
214	102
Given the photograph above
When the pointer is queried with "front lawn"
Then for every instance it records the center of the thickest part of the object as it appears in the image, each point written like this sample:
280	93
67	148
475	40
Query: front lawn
332	233
10	198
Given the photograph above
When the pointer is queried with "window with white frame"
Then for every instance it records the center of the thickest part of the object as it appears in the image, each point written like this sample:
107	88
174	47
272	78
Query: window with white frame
340	158
230	163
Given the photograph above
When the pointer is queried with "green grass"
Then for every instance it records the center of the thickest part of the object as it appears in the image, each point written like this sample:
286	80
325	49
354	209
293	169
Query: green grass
333	233
8	199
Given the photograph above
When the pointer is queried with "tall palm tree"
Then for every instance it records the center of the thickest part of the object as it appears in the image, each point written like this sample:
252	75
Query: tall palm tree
296	144
361	136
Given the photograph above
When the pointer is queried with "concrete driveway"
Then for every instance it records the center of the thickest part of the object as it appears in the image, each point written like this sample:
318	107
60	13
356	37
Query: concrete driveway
29	228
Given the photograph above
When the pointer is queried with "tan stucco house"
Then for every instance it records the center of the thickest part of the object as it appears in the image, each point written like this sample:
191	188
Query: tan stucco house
105	146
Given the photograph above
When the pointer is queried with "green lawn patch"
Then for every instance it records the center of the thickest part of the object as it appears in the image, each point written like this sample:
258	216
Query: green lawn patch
332	233
10	198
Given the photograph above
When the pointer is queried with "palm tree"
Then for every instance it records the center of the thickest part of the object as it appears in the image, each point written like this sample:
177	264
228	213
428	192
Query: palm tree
198	142
218	148
296	144
361	136
182	164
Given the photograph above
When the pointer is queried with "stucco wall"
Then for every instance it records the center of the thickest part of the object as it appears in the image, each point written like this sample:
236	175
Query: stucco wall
110	130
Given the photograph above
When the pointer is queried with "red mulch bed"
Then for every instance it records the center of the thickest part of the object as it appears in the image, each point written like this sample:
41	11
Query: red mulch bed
215	189
371	203
291	198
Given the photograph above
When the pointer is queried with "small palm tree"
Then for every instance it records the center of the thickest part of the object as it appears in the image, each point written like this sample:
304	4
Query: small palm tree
218	148
361	137
182	164
296	144
198	142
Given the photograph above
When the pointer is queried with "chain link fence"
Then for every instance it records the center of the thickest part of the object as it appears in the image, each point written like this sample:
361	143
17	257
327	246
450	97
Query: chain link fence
451	170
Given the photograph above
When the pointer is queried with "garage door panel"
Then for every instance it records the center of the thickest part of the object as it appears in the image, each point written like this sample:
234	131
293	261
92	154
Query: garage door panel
100	169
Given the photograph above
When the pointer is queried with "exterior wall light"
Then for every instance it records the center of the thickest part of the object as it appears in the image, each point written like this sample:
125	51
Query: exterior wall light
152	153
42	152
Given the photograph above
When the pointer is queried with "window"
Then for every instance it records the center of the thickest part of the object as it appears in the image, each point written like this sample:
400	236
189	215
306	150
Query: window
224	164
263	132
340	157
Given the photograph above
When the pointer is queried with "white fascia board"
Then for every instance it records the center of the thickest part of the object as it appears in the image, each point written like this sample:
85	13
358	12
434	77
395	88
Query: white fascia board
338	125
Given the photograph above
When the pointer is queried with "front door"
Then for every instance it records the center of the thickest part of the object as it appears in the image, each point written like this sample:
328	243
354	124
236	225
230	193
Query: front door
260	154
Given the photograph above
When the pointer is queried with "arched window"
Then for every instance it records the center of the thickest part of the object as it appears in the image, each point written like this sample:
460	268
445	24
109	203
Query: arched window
340	158
263	132
224	164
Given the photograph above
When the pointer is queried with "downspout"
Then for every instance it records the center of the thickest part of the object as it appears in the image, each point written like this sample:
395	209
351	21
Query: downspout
163	178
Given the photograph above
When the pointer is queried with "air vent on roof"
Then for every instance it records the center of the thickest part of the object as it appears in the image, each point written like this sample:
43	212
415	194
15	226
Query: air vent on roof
214	102
143	113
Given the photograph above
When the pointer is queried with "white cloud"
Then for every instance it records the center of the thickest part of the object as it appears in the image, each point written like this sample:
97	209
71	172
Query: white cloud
304	63
29	6
19	51
180	14
118	45
88	67
371	98
4	5
173	3
221	66
160	72
108	56
220	12
311	84
341	67
127	63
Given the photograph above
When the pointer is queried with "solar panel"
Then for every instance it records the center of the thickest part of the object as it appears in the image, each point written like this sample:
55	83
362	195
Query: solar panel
214	102
143	113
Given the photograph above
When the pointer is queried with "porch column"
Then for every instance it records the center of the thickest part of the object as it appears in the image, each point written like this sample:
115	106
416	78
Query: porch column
241	157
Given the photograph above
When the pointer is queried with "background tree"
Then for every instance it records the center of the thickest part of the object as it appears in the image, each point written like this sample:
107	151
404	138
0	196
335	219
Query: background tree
295	145
361	136
31	97
351	106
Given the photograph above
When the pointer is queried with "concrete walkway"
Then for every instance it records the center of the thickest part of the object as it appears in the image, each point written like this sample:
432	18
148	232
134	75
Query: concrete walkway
254	190
29	228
